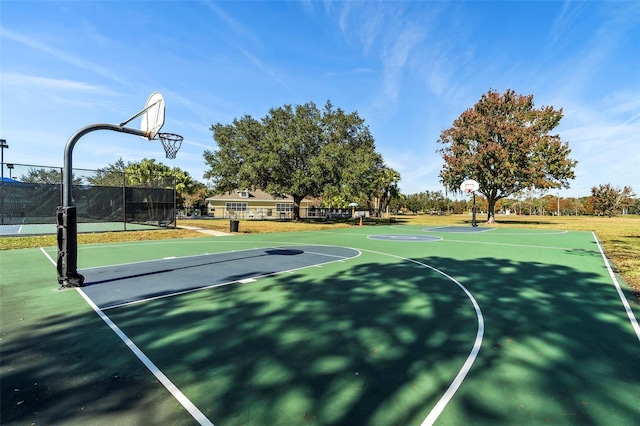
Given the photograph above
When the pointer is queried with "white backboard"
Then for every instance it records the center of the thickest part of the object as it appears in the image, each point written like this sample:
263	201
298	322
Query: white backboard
469	185
152	118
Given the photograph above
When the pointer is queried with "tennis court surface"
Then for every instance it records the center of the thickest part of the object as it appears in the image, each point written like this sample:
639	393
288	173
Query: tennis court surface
16	229
394	325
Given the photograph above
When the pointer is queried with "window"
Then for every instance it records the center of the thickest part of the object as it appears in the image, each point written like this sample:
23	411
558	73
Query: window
244	194
284	207
236	207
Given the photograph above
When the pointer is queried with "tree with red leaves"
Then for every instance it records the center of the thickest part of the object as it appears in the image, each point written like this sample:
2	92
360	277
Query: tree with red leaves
503	143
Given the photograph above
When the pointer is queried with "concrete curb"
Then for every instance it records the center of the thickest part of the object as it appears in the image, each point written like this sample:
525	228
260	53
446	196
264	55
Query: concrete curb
205	231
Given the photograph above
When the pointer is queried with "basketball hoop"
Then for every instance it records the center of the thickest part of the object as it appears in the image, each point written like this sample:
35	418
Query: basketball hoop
152	120
469	186
171	143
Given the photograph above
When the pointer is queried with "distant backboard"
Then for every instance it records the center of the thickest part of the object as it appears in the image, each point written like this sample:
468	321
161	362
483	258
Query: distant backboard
152	118
469	186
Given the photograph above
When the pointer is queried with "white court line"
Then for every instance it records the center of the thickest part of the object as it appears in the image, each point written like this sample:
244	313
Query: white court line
181	293
625	302
162	378
464	370
532	234
332	255
168	384
442	229
510	245
411	228
48	257
414	238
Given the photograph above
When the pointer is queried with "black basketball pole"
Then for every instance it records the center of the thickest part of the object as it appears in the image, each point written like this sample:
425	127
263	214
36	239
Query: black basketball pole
66	215
473	211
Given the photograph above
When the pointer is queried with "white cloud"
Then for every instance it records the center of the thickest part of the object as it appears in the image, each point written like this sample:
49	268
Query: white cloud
239	30
19	81
394	59
62	55
263	67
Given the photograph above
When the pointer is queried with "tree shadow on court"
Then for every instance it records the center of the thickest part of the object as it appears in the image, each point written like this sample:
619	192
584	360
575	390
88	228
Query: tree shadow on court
336	349
71	369
349	344
558	346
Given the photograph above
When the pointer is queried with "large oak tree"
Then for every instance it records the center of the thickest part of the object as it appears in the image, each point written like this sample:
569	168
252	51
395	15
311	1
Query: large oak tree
504	143
300	151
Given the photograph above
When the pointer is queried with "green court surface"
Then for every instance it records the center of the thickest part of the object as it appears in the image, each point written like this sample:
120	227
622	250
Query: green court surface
388	325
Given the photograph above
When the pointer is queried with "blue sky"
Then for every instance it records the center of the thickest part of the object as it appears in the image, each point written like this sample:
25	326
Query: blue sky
408	68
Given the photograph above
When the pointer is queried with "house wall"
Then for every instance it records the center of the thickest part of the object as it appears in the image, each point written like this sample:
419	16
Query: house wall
258	209
259	205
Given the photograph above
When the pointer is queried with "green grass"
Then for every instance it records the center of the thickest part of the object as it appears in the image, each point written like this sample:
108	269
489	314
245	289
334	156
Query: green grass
620	236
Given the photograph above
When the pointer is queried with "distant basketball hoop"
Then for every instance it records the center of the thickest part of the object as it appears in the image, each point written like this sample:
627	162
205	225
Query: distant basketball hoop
469	187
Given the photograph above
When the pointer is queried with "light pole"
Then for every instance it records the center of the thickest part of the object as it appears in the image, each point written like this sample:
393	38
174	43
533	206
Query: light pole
3	145
10	167
558	204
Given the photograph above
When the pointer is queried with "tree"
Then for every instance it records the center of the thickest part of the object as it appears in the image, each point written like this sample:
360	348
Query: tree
414	203
362	178
139	173
192	200
427	201
503	143
112	175
299	151
387	188
397	203
575	206
607	199
550	204
145	171
48	176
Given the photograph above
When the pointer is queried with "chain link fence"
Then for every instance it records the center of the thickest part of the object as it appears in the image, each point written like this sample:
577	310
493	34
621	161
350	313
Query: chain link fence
30	194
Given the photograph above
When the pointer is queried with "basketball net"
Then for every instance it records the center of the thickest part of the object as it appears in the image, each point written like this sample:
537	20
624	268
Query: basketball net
171	143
